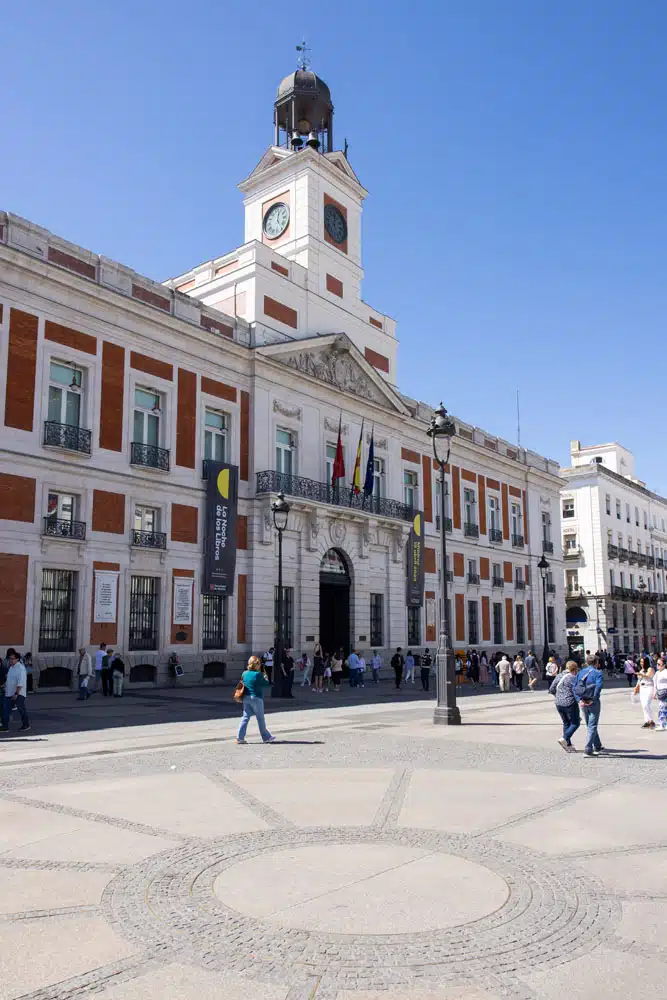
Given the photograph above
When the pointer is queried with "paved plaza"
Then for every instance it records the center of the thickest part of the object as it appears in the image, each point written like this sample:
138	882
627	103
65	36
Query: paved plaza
367	855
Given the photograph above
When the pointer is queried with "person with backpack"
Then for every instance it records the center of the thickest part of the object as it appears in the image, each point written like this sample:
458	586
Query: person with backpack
587	691
397	666
426	663
567	706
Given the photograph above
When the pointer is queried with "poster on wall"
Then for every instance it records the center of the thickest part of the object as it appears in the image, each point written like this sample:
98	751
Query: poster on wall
220	529
183	600
414	596
106	595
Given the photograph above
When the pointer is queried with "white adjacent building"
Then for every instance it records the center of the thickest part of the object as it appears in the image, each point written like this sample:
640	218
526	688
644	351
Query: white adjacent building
118	389
615	552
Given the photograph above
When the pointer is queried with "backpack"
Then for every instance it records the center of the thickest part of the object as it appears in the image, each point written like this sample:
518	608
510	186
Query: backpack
584	686
396	661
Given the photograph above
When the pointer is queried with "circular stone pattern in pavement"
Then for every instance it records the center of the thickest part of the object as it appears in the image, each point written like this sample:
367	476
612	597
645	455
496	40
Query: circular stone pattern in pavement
361	889
354	908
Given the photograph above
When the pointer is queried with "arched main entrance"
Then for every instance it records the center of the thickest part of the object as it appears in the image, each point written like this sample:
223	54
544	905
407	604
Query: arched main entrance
334	602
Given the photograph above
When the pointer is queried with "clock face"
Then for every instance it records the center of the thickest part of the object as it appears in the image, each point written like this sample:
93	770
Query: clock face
276	220
335	224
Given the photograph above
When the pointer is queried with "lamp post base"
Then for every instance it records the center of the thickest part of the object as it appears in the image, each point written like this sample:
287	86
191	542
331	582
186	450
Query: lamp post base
444	715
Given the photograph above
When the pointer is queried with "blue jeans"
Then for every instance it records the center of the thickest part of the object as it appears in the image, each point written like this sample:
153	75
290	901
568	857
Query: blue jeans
571	720
253	706
592	718
354	678
8	705
83	689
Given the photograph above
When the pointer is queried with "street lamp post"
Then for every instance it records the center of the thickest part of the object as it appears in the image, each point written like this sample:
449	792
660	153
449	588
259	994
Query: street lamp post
543	567
280	509
446	712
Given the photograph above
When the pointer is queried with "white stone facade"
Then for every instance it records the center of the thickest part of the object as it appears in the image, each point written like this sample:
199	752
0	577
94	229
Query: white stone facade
615	552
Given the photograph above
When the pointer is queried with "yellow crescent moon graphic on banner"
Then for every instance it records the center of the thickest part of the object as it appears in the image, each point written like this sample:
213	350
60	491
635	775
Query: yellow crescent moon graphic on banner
223	483
417	525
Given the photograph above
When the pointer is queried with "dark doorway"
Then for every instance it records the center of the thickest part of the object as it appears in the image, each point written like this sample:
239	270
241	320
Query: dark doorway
334	603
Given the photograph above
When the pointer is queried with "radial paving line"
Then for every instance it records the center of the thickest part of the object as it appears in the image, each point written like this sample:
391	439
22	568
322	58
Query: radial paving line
250	801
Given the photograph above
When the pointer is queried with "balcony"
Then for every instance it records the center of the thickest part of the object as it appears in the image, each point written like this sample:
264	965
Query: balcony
517	541
471	530
59	528
622	553
149	539
495	535
520	584
150	456
567	512
551	588
339	496
612	551
66	436
642	560
449	576
547	546
572	553
448	523
659	563
497	581
473	578
650	562
632	558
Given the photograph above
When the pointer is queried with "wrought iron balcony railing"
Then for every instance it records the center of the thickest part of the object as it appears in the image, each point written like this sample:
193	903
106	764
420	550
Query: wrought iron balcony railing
66	436
473	578
495	535
149	455
471	530
520	584
60	528
547	546
612	551
551	588
650	562
339	496
498	581
149	539
622	553
642	560
659	563
517	541
573	553
632	558
448	523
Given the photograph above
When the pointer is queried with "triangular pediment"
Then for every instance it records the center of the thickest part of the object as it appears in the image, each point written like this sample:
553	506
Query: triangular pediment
341	161
273	156
336	361
277	159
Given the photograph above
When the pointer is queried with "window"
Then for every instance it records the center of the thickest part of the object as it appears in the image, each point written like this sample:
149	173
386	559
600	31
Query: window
377	619
215	436
634	616
662	524
146	417
572	582
497	624
65	383
622	575
288	615
546	526
494	519
612	582
57	614
285	453
637	516
214	622
497	573
410	489
146	519
624	608
551	624
632	581
618	509
570	542
517	521
614	615
61	507
518	576
378	478
607	504
568	508
414	627
437	499
627	512
473	575
645	521
144	608
469	504
330	459
520	624
473	636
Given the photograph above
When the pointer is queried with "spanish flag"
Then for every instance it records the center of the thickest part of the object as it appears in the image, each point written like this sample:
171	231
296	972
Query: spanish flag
356	475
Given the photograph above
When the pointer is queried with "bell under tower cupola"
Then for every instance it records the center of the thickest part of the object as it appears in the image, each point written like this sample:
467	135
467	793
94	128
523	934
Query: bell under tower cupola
303	112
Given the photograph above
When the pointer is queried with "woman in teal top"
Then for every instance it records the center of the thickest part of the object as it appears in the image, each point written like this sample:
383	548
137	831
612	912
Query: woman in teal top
254	681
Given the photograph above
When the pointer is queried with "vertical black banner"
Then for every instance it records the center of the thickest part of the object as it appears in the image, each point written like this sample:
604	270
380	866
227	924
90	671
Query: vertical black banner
414	591
220	530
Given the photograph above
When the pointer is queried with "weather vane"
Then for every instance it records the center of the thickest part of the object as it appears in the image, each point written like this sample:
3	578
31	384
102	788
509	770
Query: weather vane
303	61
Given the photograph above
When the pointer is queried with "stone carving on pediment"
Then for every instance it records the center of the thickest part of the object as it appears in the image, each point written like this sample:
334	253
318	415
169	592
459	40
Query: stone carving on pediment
334	366
338	531
332	425
379	443
286	410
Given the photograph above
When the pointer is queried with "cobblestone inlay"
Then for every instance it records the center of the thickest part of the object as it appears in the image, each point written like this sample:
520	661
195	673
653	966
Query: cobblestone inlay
392	801
167	902
58	911
251	802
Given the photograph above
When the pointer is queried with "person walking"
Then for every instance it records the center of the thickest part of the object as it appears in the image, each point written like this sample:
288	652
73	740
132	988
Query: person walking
425	669
84	673
483	669
630	671
376	666
16	685
361	671
533	672
118	676
255	681
318	668
397	666
353	667
99	661
531	661
660	681
519	670
587	690
306	667
566	704
107	672
409	667
473	671
645	688
504	669
337	669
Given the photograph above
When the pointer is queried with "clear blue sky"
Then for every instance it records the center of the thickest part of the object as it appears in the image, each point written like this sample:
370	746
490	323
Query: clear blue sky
515	153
